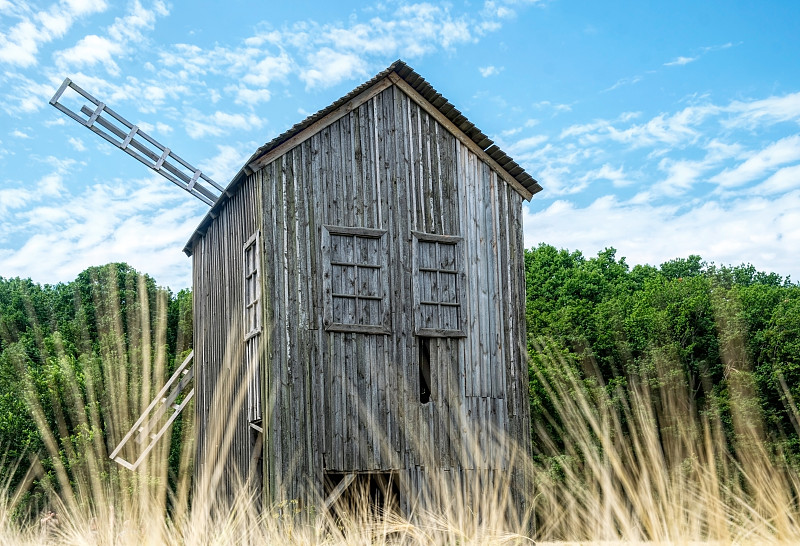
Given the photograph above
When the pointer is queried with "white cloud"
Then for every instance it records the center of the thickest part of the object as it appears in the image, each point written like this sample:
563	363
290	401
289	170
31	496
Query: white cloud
682	174
93	49
142	222
646	234
785	179
749	114
20	46
16	133
27	96
222	167
547	105
624	81
526	144
77	144
267	69
490	70
250	97
85	7
89	51
454	32
328	67
761	163
671	129
220	123
23	195
680	61
322	55
615	175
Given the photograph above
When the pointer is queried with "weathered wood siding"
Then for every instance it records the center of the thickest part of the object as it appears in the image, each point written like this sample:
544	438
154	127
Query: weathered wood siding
219	330
349	401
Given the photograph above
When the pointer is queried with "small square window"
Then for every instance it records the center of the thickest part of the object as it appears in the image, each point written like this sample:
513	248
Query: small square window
439	271
355	279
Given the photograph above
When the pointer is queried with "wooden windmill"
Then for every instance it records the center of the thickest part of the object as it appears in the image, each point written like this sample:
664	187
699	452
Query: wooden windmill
368	266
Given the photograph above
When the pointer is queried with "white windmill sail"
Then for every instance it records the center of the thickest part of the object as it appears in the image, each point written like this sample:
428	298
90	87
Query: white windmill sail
159	415
99	118
96	116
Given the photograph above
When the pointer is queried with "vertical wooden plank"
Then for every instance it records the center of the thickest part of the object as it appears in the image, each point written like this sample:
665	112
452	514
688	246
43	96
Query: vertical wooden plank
336	359
396	361
473	246
496	290
405	156
440	158
439	399
407	118
345	170
483	268
373	428
507	293
347	402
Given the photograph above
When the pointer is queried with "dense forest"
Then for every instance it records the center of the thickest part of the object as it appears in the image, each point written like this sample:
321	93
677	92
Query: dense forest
75	357
74	352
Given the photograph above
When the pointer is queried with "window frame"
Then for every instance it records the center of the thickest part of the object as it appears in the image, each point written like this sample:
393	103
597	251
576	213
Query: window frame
251	336
255	242
460	291
327	270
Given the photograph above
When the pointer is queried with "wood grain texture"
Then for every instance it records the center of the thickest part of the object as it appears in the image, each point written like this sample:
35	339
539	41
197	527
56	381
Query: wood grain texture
346	398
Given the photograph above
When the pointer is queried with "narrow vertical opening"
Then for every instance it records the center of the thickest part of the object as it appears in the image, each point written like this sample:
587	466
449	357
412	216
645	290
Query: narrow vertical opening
424	358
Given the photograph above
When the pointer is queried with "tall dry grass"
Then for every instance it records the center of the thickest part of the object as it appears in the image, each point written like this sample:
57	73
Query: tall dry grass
636	463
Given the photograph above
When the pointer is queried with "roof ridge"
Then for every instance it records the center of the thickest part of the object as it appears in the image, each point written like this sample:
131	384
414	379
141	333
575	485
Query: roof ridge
420	86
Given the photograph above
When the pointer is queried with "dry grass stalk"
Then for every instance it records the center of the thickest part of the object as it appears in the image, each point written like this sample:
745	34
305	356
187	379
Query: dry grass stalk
635	464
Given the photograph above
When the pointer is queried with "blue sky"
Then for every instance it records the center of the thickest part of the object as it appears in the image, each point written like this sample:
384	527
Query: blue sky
661	129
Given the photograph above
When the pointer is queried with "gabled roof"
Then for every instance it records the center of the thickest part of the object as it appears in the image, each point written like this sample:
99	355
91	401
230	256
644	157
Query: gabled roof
398	73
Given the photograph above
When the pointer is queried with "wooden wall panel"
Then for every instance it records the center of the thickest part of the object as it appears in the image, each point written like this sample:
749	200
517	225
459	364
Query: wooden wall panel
221	387
349	401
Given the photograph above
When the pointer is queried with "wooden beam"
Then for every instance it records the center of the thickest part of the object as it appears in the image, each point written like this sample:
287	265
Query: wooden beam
459	134
337	492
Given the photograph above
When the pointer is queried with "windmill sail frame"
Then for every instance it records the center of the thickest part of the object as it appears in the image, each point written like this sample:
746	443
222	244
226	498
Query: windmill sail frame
126	136
163	403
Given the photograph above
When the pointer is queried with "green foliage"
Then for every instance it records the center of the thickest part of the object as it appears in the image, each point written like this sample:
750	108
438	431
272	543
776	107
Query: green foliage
704	323
684	325
58	345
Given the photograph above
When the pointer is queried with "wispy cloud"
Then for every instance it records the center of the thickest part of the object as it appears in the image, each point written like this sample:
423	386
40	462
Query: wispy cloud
680	61
322	55
749	114
141	222
631	80
761	163
94	49
20	43
643	233
77	144
783	180
229	159
697	149
328	67
219	123
20	195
